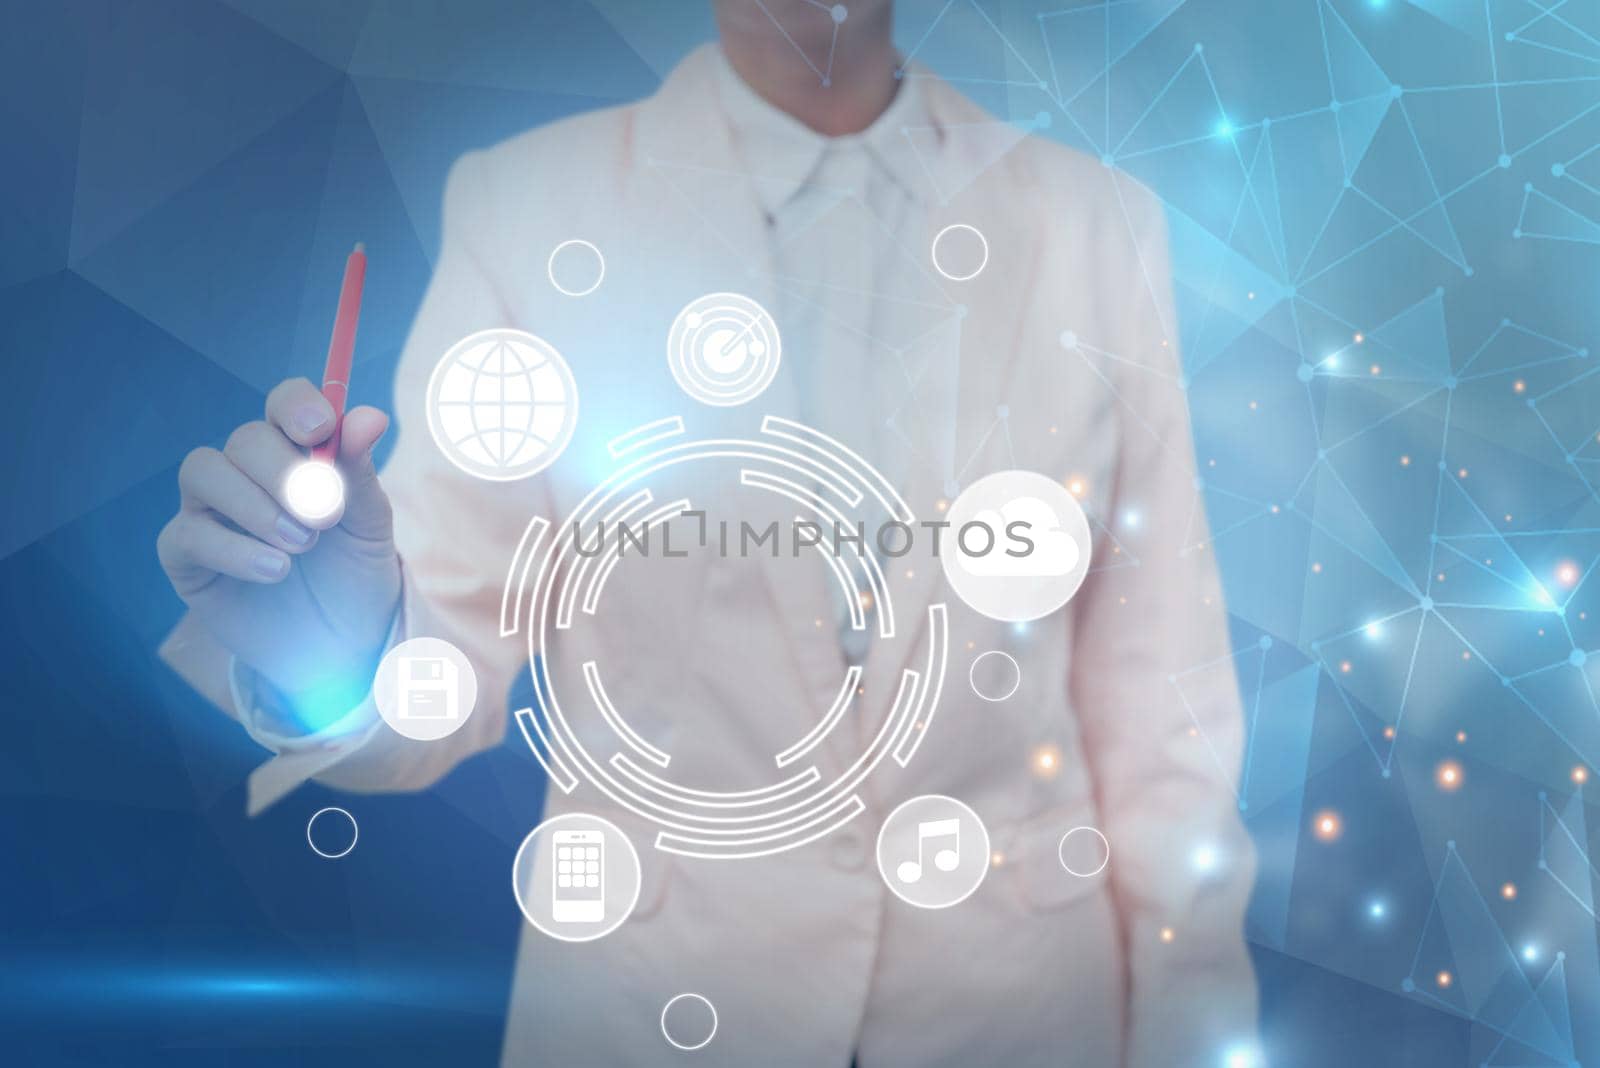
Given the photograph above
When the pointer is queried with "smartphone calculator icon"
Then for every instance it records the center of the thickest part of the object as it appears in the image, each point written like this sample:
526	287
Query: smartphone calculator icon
579	877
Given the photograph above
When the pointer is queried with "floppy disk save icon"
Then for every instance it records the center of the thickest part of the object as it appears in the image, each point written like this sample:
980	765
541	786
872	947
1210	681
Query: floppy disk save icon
428	688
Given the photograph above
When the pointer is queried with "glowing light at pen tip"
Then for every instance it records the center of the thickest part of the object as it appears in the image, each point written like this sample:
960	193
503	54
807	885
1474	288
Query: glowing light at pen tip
314	490
1444	979
1046	761
1509	891
1530	952
1374	630
1580	775
1377	910
1567	573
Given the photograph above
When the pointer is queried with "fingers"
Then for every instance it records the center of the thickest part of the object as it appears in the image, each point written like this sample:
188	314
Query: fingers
209	481
195	546
266	456
300	411
366	510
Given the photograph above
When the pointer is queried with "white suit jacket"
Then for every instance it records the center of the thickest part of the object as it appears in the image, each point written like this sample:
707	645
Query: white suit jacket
806	955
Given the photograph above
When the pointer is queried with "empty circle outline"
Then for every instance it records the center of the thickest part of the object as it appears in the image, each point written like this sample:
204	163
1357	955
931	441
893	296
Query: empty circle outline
704	1042
1061	852
933	253
550	267
972	672
355	832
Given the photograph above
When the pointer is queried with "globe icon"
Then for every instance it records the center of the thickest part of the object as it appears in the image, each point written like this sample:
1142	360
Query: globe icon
502	404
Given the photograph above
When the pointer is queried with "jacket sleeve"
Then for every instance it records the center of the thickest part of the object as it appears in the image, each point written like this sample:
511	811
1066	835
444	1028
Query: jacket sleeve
1159	706
454	533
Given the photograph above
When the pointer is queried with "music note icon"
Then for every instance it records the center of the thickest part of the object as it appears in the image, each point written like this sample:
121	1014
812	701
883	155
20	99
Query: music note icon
910	871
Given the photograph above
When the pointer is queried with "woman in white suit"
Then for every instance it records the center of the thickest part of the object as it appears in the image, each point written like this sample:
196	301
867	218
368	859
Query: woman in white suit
746	172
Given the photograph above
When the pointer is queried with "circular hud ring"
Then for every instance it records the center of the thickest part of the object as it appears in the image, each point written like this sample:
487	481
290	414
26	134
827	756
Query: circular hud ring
561	588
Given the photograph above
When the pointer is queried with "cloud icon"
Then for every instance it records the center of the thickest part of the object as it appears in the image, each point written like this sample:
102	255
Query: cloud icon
1054	552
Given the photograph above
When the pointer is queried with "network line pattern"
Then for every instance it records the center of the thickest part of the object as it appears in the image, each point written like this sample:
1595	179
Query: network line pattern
1397	416
822	481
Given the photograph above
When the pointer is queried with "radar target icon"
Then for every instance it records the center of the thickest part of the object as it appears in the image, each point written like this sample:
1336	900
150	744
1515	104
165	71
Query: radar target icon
723	349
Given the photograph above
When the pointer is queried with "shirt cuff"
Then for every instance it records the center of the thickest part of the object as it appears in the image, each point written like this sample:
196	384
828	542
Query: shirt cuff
349	731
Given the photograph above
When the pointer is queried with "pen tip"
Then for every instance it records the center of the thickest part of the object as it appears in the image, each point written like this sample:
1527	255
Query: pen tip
361	246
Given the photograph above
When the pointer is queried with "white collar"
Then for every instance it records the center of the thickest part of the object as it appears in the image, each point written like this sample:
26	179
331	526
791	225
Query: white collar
781	153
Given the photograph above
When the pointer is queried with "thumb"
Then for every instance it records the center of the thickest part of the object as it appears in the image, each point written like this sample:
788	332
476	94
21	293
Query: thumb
366	508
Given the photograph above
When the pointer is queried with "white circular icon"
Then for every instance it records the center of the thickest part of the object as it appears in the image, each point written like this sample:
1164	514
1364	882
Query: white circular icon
425	689
1017	547
1084	852
581	265
502	404
933	852
334	854
693	1024
576	877
994	676
314	490
960	252
724	349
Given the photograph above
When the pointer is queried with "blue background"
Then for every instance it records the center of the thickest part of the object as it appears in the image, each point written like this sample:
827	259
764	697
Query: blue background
180	182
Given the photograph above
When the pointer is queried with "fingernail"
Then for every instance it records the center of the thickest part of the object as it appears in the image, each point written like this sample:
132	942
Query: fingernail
292	532
310	418
269	565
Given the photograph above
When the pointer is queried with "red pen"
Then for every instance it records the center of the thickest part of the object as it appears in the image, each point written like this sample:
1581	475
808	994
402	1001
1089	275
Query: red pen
314	490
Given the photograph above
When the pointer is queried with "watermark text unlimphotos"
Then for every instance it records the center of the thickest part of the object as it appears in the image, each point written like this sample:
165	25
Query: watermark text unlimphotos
891	539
